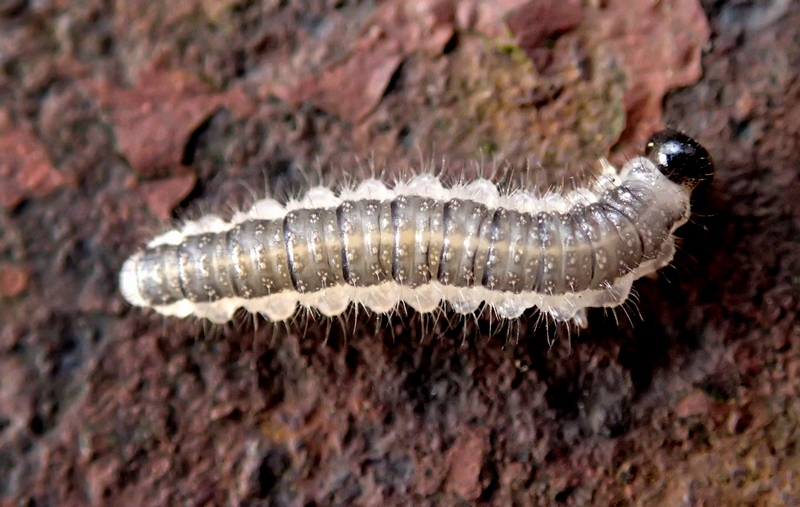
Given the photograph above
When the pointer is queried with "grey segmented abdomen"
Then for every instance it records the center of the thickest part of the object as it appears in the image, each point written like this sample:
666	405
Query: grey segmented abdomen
422	243
517	257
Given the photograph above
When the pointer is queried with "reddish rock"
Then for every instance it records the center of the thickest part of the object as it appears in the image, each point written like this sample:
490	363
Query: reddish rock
154	119
13	280
352	90
536	21
161	196
464	462
422	26
696	403
25	169
659	45
107	407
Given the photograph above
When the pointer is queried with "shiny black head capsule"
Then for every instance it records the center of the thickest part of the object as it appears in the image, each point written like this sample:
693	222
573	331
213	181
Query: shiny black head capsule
680	158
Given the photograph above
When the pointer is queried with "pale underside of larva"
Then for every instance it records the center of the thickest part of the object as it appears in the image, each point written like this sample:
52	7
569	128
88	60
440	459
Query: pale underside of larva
419	244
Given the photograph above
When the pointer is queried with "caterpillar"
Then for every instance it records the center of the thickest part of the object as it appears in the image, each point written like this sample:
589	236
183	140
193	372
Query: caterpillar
422	244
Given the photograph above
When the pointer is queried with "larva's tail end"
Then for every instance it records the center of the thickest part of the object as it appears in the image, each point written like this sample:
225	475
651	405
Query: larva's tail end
128	282
680	158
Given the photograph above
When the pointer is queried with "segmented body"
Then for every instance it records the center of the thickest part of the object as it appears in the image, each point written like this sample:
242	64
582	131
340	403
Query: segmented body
419	243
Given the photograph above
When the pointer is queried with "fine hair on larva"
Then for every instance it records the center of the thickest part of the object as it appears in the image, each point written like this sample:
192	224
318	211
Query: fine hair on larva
422	244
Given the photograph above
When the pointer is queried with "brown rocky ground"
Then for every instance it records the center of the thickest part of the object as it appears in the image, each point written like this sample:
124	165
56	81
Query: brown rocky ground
116	116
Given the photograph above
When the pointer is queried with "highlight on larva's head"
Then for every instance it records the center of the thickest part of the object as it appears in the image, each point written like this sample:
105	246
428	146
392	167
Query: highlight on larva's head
680	158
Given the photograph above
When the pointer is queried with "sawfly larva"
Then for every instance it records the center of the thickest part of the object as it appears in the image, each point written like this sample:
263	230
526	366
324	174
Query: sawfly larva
423	244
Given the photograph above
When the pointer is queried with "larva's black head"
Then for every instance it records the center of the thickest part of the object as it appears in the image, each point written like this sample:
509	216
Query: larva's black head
680	158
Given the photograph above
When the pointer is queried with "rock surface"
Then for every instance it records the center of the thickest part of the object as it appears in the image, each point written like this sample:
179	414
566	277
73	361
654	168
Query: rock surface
115	116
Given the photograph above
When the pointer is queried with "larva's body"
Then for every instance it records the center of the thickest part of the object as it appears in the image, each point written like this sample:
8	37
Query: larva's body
422	244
